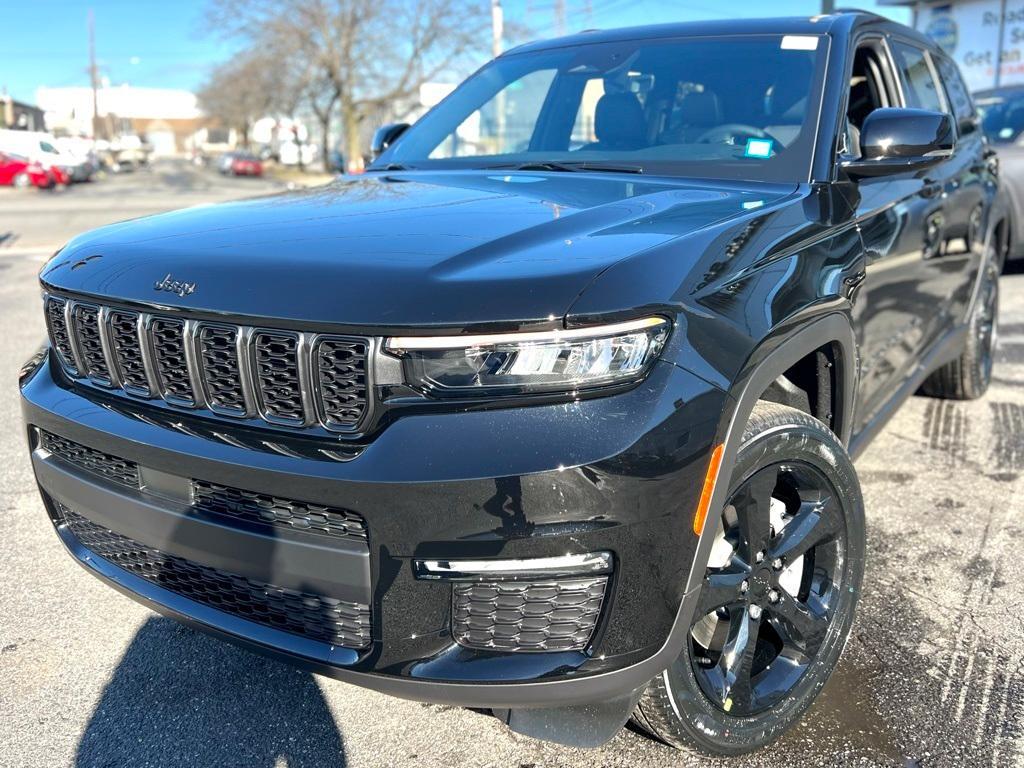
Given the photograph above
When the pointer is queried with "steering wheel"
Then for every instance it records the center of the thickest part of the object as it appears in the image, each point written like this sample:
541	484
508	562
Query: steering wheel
720	133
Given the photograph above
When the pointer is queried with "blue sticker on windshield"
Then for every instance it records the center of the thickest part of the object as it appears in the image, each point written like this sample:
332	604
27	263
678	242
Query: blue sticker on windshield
761	148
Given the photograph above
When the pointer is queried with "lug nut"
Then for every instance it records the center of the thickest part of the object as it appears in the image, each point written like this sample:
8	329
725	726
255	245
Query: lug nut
777	563
773	596
759	557
744	586
755	612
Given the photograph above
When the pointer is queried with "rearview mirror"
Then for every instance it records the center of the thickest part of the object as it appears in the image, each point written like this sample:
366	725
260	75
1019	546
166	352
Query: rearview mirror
902	140
384	137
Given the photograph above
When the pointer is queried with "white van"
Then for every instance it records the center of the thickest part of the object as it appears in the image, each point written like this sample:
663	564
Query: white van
39	147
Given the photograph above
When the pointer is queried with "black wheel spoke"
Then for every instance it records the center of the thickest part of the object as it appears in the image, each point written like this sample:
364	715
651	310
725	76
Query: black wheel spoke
798	624
753	507
721	589
815	523
737	663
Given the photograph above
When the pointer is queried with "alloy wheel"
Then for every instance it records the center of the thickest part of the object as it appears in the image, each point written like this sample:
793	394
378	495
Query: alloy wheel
768	597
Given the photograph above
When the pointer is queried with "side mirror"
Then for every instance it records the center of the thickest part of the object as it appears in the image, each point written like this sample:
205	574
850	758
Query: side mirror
384	137
901	141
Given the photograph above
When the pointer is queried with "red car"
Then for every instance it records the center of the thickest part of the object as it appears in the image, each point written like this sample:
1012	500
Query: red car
19	172
246	165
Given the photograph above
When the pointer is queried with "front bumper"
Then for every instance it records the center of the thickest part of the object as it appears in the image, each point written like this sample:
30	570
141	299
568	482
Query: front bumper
619	475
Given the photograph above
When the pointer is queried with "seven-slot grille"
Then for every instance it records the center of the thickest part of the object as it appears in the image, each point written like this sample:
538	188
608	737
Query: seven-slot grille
282	377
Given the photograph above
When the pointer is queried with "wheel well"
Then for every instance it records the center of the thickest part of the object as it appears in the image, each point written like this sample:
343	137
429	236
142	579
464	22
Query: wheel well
810	385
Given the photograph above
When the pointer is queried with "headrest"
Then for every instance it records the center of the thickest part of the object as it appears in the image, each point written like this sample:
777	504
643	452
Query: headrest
619	121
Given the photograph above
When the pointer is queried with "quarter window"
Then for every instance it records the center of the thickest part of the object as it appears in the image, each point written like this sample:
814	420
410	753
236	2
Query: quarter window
959	99
919	83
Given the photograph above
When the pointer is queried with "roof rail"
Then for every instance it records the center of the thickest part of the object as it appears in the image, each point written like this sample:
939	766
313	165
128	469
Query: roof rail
861	11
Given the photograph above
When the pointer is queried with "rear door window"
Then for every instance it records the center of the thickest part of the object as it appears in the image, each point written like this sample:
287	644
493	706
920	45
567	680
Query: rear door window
919	84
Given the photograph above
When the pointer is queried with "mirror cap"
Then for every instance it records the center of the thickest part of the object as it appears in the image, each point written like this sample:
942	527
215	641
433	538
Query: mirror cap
385	136
906	133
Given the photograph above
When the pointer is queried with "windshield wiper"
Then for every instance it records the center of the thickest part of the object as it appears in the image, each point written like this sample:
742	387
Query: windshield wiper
571	167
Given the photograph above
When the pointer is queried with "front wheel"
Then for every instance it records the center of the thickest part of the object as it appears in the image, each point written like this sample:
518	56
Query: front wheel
778	596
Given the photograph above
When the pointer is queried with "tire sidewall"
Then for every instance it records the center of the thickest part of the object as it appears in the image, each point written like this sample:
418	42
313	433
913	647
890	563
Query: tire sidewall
703	721
980	370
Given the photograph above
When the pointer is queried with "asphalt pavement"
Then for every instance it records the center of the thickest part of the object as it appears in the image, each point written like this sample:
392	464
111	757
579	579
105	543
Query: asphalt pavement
933	674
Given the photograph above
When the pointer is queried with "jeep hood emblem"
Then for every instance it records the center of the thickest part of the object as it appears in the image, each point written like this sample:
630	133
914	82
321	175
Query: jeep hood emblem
179	287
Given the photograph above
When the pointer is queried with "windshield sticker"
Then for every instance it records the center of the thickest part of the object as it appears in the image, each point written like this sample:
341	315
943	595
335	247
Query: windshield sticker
759	148
799	43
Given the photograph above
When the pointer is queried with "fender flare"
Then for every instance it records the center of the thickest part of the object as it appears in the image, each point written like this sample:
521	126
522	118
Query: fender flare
769	361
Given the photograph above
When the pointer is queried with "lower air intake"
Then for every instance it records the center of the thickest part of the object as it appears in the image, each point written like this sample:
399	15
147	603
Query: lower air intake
312	616
527	616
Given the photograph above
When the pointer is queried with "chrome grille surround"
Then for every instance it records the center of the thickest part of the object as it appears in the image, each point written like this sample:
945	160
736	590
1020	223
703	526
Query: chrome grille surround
59	325
167	335
87	322
340	369
126	343
221	370
281	377
278	380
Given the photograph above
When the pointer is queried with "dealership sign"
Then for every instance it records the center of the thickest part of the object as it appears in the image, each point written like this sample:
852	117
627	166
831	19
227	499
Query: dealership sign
971	31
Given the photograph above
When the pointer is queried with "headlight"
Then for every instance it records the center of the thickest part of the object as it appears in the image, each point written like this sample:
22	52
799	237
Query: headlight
526	363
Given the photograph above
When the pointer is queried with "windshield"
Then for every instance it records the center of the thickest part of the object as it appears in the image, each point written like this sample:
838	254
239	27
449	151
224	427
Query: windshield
743	107
1002	115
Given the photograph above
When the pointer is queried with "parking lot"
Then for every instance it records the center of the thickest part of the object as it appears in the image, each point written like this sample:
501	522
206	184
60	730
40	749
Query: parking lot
933	674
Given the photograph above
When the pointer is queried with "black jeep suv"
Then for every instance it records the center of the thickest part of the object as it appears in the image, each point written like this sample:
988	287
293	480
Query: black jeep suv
552	411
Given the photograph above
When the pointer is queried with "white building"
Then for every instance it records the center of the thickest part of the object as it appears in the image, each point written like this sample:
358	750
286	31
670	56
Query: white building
166	116
985	37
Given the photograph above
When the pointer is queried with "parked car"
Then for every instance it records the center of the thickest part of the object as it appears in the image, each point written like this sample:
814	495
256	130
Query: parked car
552	411
21	172
41	148
1002	118
245	164
224	162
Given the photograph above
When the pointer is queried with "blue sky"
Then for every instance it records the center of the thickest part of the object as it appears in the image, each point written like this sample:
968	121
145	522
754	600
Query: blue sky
166	44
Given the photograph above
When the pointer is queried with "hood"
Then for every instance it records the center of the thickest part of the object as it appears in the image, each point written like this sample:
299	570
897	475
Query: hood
415	249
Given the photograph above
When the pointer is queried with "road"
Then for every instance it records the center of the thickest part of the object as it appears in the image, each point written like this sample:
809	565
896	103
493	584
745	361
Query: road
933	674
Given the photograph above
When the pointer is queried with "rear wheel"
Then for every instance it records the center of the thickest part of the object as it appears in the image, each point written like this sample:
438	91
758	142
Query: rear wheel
968	377
778	596
21	181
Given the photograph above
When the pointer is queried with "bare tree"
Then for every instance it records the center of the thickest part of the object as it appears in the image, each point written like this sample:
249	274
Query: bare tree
239	92
365	55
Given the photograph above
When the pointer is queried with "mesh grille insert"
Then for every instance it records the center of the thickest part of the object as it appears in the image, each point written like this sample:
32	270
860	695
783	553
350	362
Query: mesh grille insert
341	375
276	511
527	616
111	467
57	324
218	352
317	617
87	325
171	361
277	375
124	338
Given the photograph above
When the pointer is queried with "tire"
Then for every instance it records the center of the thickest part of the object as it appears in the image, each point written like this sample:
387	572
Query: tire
693	705
968	377
22	181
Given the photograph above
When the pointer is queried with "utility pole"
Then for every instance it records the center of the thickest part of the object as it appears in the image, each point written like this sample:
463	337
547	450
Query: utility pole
497	31
94	76
497	27
828	6
559	17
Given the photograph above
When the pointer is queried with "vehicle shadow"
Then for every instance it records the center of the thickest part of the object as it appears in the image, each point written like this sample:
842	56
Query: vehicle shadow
179	697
